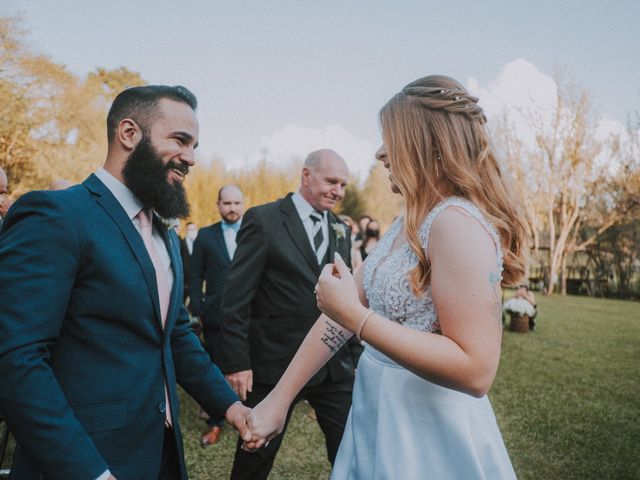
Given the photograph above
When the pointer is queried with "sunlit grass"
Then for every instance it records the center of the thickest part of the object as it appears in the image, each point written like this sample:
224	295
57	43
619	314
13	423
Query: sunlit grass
566	398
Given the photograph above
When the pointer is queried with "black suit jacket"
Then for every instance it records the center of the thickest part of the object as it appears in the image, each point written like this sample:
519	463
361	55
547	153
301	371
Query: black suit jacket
209	263
269	305
184	255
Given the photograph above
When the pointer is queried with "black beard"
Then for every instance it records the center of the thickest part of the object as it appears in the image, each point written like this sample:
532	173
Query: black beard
145	175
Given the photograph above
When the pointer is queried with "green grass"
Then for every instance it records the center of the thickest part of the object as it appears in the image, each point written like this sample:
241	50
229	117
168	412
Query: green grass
566	398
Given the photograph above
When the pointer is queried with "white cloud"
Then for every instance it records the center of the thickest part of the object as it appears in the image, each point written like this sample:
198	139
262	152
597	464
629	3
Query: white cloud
522	92
295	142
608	127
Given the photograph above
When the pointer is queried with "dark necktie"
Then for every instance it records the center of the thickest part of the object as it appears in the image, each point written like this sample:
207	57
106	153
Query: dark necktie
318	238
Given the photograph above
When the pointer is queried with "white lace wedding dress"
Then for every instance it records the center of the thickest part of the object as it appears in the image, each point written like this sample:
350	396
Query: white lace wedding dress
402	427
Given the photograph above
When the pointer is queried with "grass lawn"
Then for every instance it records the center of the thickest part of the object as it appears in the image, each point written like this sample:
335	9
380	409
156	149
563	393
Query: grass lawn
566	398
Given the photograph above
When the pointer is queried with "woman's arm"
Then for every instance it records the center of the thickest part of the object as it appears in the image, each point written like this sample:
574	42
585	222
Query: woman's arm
466	294
324	339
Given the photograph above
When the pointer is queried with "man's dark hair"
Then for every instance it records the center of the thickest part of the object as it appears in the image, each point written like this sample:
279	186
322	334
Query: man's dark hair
141	104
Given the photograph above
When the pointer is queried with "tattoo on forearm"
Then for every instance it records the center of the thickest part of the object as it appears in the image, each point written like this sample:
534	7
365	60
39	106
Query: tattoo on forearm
333	337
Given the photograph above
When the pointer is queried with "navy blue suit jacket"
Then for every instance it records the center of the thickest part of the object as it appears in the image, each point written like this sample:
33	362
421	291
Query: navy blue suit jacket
83	356
209	263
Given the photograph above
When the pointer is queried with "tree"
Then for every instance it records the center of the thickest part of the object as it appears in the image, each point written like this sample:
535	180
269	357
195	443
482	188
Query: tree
558	175
260	184
53	122
353	204
381	203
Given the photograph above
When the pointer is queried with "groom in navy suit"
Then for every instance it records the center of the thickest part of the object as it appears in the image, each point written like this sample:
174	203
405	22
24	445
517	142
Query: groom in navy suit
93	333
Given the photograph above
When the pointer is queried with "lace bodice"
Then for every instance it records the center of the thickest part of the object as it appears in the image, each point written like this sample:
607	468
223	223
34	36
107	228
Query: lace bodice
386	272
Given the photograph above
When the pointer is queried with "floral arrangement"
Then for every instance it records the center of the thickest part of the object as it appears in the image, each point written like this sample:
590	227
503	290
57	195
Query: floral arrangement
340	229
518	306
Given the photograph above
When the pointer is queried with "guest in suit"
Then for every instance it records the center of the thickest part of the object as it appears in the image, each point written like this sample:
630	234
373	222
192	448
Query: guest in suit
212	254
186	250
5	203
269	306
90	361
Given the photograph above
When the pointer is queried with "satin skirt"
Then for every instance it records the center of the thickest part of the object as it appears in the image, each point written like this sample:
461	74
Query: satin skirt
404	427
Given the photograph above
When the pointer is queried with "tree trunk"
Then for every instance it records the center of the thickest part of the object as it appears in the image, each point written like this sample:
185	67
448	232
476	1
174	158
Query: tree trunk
564	275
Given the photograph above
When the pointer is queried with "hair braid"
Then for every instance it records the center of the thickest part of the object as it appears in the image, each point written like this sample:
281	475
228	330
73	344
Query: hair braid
450	100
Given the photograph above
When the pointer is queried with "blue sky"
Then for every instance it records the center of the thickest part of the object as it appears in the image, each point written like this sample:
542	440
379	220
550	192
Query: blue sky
282	77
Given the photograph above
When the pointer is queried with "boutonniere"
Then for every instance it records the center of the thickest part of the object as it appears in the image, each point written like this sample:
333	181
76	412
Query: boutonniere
340	229
169	223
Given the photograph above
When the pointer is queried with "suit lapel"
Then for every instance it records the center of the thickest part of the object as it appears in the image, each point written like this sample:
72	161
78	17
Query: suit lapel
336	243
110	205
222	245
298	234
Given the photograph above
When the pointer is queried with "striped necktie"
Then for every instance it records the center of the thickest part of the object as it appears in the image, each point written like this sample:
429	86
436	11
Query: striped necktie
318	237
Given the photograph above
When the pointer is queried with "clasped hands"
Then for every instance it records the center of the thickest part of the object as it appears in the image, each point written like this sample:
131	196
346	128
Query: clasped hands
337	297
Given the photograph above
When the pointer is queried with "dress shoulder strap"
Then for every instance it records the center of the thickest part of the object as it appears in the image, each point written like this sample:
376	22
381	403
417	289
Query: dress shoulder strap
473	211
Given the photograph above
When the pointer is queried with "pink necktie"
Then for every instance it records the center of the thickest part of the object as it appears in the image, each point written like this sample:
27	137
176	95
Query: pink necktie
161	279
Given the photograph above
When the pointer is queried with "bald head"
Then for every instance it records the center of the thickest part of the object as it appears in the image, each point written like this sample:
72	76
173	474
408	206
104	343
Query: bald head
230	190
230	203
319	157
324	177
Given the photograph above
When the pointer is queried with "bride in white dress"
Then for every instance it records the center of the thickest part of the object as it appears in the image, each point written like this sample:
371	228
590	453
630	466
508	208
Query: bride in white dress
426	303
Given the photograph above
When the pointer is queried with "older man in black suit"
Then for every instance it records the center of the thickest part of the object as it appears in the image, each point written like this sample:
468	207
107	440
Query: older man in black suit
209	263
269	304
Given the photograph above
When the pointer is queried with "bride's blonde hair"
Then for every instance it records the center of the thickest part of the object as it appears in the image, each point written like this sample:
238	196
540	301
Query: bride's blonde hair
438	146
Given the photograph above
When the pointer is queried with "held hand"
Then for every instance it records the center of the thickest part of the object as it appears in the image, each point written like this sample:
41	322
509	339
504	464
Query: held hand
237	415
266	421
337	294
241	382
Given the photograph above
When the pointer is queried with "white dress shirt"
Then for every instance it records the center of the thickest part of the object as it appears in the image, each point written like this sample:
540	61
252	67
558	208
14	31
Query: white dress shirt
189	242
132	207
304	211
229	234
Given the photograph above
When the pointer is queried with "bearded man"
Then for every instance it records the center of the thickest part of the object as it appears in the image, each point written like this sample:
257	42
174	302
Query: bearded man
94	333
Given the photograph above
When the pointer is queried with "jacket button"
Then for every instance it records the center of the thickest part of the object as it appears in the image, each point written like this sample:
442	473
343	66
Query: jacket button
162	407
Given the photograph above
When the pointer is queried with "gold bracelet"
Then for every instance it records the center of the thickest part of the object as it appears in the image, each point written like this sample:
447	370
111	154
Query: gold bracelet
363	322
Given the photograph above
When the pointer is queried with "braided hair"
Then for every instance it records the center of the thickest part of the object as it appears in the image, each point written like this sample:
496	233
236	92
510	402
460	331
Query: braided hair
438	146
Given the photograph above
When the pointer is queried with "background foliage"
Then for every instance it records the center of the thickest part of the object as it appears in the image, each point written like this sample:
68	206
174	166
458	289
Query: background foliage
579	191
